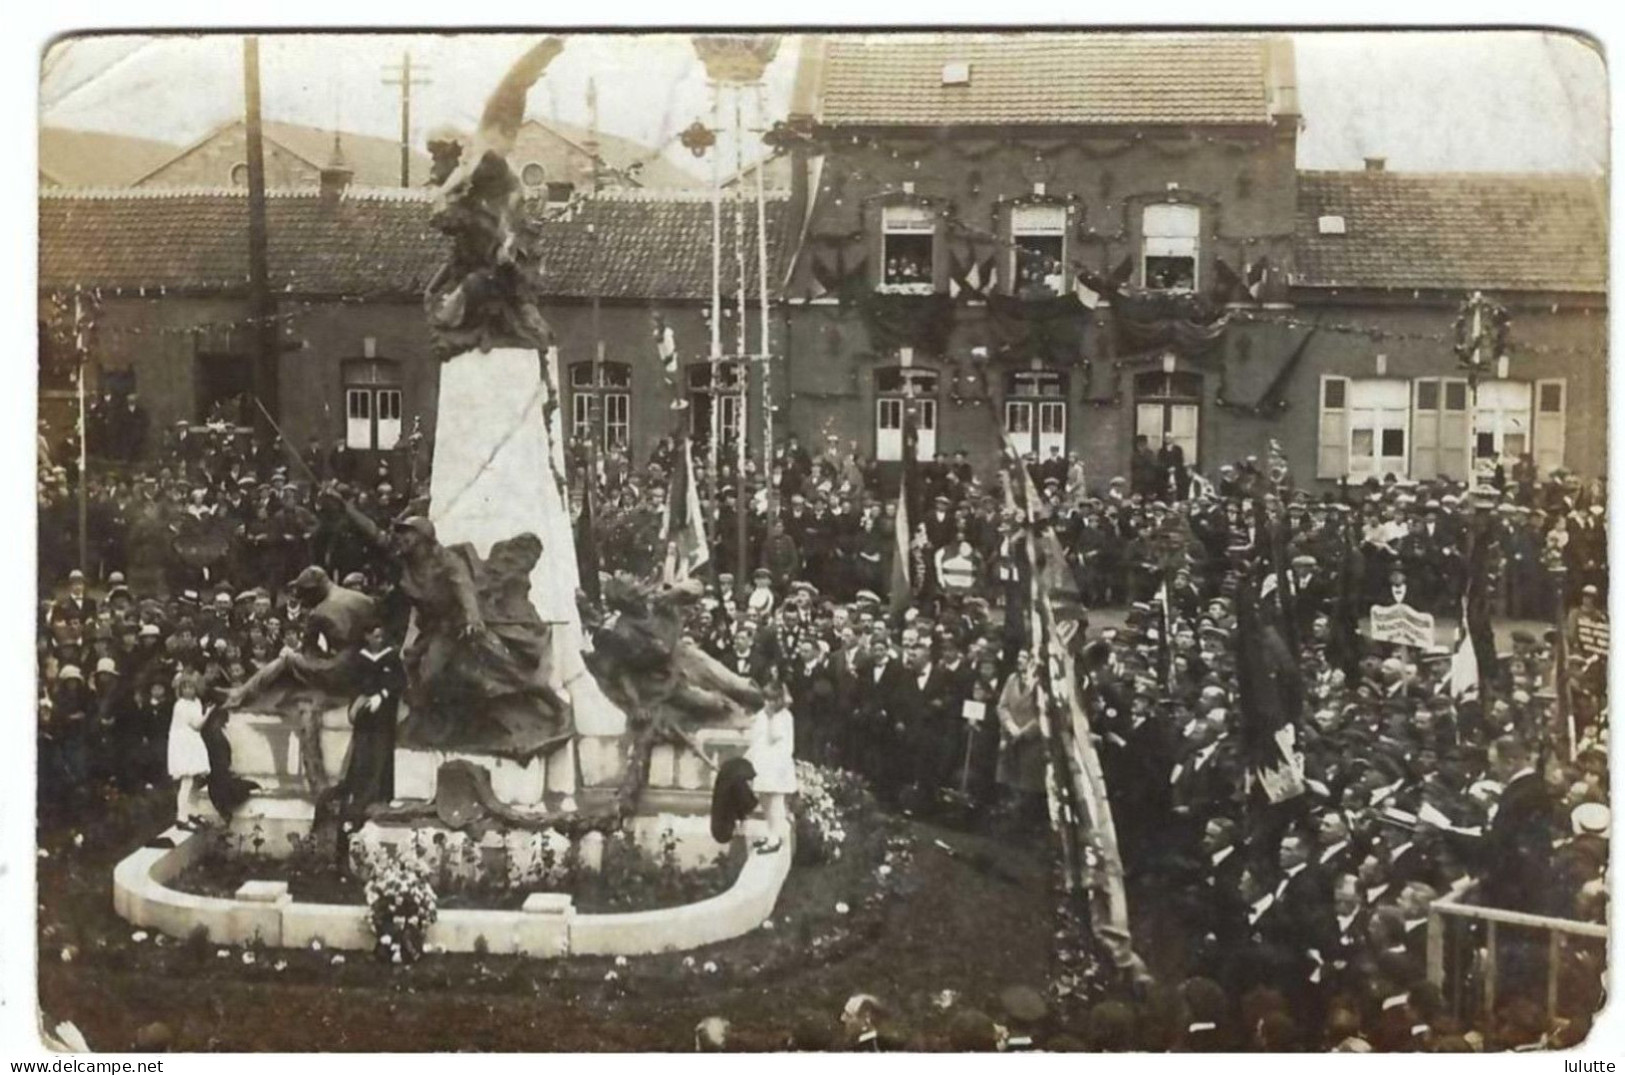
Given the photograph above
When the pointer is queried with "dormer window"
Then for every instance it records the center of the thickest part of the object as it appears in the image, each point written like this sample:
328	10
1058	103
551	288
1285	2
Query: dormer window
1333	225
1038	236
956	74
1170	237
908	248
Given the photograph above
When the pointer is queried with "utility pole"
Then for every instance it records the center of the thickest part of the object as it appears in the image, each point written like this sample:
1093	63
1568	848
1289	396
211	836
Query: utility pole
264	329
405	77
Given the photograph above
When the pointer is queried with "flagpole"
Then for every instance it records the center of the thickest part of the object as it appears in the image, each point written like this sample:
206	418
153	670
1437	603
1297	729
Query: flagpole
713	461
761	280
742	448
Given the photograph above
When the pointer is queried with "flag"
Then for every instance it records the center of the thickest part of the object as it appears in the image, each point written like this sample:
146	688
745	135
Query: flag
587	547
666	346
683	528
1271	702
902	575
1462	680
1163	642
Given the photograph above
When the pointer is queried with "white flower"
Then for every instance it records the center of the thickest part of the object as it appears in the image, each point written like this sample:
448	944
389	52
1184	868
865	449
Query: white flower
138	936
248	957
78	839
336	960
611	976
385	939
884	871
620	961
688	961
842	908
280	965
44	854
710	967
767	923
67	954
222	953
316	944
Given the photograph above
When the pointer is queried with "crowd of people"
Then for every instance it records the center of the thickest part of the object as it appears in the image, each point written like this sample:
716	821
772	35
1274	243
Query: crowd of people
1301	923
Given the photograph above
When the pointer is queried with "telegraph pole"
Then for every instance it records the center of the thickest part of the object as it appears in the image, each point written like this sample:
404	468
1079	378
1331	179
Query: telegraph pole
404	76
264	331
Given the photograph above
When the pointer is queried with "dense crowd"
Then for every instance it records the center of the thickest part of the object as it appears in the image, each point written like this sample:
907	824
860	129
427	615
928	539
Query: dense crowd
1297	924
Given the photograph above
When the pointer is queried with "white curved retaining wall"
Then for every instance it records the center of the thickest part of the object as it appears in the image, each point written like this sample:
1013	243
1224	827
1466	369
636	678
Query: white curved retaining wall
549	928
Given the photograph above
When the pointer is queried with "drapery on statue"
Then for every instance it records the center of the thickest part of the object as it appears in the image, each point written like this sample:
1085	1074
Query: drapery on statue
476	667
487	292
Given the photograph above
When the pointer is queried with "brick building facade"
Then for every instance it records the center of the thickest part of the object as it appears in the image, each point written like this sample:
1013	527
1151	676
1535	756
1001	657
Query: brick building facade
1075	239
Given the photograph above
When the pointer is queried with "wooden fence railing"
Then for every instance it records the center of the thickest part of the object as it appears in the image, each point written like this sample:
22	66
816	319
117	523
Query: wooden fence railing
1451	974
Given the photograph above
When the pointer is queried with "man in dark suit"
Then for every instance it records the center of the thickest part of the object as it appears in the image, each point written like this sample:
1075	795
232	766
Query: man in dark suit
812	690
847	665
934	728
1517	848
880	712
75	604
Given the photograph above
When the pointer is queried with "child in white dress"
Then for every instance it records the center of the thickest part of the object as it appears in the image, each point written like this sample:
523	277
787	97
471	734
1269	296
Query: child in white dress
188	757
772	754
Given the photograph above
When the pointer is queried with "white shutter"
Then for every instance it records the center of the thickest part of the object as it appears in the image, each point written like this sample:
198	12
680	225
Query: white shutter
1332	460
1551	424
358	418
1425	408
1051	427
928	428
389	418
1453	428
888	430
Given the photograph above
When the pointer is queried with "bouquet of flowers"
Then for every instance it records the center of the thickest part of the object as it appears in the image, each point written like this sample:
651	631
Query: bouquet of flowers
400	909
825	800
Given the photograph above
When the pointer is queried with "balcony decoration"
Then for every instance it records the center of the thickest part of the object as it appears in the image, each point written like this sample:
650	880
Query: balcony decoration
1184	321
1050	329
1247	284
972	277
1272	400
834	274
919	321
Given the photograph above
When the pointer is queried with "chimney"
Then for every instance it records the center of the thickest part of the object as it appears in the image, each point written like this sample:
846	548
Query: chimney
1376	164
1281	77
335	175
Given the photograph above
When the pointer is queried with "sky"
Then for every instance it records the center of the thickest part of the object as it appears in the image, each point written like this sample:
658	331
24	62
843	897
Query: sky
1427	101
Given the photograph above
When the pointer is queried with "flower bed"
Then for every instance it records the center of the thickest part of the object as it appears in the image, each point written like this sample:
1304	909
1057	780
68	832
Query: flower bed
461	873
888	916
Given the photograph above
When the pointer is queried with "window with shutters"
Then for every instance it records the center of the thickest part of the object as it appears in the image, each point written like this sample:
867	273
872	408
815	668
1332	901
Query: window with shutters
898	389
1439	429
1038	248
1035	411
1170	237
603	399
372	404
908	248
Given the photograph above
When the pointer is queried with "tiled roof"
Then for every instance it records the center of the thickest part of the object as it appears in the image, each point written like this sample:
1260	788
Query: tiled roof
1041	78
75	158
625	244
1523	232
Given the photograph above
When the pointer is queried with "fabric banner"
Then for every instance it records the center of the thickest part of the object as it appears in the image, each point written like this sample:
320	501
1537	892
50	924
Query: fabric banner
918	321
1402	625
1050	328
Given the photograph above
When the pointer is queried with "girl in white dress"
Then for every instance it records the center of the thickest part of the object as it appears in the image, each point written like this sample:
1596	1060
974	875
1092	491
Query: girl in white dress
188	757
772	754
